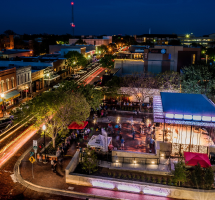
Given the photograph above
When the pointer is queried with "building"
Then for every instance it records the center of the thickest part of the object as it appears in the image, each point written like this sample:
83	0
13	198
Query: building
6	42
191	40
105	40
13	53
158	39
8	87
23	78
158	59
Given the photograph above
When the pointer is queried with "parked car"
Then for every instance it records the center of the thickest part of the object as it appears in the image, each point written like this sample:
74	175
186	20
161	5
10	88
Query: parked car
57	86
81	72
5	122
98	88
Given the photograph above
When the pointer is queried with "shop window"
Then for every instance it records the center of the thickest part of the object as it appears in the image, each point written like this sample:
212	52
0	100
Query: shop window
2	86
194	59
7	84
12	82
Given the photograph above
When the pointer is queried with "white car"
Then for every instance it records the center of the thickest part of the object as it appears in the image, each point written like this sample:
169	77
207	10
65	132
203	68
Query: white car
98	88
81	72
75	76
57	86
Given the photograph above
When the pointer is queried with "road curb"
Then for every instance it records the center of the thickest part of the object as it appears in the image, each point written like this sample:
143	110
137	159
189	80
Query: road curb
39	188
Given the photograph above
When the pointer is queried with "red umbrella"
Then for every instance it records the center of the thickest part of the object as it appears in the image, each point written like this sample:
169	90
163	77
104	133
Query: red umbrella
74	125
193	159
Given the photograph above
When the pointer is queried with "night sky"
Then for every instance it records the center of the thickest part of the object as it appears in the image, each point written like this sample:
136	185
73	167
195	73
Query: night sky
97	17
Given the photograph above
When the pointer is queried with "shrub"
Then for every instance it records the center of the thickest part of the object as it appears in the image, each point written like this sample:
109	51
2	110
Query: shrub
138	177
164	181
148	178
129	176
169	181
133	176
119	175
109	173
124	176
143	178
114	174
153	180
159	180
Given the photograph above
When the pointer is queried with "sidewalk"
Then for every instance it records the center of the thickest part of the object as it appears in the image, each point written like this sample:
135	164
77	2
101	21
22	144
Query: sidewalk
45	180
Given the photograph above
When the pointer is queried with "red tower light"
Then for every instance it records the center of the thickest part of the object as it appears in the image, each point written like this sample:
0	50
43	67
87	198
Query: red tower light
72	3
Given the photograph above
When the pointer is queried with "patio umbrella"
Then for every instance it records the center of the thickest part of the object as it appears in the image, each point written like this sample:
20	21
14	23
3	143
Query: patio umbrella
74	125
116	126
193	159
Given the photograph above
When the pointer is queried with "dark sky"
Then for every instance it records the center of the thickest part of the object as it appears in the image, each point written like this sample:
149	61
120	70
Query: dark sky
110	17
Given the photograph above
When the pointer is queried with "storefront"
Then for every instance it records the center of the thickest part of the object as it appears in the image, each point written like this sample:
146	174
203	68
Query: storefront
10	99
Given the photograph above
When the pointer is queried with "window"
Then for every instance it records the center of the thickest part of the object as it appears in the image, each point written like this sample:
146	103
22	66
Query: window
25	78
12	82
7	84
2	86
28	77
194	59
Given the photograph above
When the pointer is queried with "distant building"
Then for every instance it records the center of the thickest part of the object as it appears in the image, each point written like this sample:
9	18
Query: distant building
158	59
6	42
13	53
105	40
205	40
158	39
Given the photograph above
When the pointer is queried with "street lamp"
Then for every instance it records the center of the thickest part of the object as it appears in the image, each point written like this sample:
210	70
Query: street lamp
44	128
2	97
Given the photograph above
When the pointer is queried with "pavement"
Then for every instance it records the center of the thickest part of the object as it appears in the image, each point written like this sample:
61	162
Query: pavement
45	180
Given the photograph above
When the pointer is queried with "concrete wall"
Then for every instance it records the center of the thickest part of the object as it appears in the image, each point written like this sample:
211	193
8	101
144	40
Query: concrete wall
72	164
140	187
131	154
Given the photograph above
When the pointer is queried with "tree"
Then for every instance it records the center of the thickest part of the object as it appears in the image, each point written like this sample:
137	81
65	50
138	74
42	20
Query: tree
107	61
197	176
89	163
57	110
169	80
113	86
198	79
180	174
75	59
9	32
209	178
103	48
80	41
141	86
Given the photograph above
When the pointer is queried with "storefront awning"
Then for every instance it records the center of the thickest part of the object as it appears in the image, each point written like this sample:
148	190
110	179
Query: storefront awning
74	125
10	95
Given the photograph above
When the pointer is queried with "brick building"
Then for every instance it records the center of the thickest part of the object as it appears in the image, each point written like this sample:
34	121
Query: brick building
8	87
6	42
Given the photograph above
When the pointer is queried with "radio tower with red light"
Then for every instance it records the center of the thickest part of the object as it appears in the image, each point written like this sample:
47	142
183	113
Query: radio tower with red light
72	24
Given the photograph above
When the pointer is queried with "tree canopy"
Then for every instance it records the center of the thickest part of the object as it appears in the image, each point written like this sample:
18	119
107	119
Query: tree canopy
80	41
75	59
107	61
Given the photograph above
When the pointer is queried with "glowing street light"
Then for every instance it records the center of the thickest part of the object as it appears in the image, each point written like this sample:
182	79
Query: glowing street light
44	128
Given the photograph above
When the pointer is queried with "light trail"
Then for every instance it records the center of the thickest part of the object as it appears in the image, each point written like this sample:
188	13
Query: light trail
89	79
15	147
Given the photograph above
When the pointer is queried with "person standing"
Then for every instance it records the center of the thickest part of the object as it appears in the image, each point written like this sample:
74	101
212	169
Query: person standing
122	143
133	133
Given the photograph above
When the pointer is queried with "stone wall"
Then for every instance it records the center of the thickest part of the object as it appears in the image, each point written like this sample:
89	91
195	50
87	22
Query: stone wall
140	187
131	154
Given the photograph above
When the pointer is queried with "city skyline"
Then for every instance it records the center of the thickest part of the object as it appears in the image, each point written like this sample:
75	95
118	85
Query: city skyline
108	17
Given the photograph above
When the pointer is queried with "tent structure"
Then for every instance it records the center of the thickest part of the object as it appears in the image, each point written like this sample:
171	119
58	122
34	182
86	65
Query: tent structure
98	141
192	159
74	125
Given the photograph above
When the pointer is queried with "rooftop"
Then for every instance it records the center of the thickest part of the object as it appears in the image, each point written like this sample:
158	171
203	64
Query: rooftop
187	104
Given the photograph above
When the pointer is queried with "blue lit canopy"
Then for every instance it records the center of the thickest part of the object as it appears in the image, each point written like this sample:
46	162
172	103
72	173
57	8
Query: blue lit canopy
187	104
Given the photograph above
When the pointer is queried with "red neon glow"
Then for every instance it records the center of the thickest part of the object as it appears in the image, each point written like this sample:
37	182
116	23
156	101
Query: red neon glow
72	24
72	3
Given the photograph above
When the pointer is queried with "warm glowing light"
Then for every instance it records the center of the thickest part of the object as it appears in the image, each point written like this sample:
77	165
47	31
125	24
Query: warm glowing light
117	161
99	52
178	116
128	188
102	184
169	115
2	95
188	117
135	161
187	36
74	62
72	3
44	127
197	118
153	162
